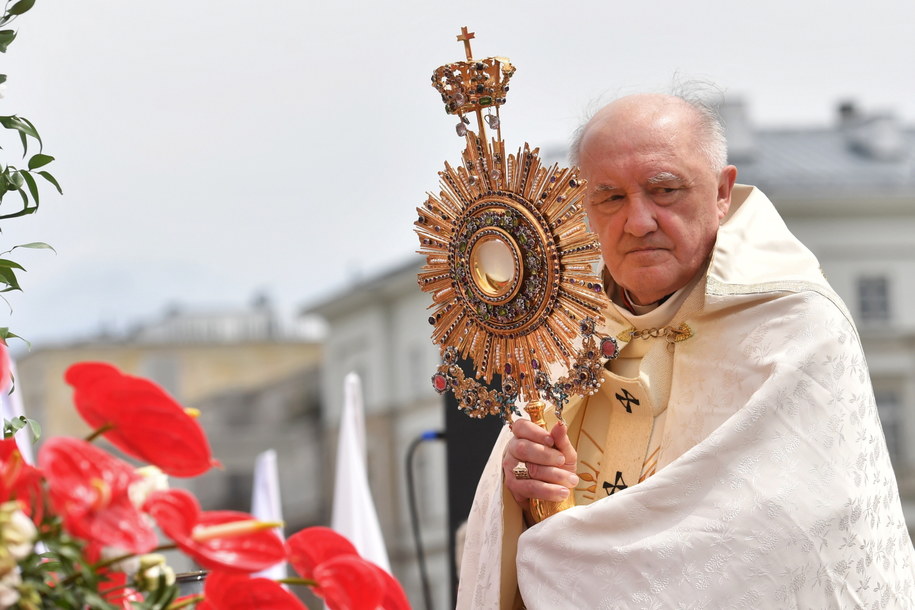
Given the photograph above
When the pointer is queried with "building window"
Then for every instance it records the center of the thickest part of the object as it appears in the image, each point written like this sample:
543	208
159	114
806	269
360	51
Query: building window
874	298
889	407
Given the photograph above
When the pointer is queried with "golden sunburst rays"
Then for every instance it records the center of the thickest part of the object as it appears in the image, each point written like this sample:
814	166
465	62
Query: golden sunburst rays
510	268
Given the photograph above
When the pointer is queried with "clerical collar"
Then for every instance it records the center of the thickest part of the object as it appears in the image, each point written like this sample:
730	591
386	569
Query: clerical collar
637	309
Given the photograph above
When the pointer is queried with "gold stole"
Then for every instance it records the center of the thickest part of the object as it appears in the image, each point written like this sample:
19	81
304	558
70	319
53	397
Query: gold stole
617	431
612	431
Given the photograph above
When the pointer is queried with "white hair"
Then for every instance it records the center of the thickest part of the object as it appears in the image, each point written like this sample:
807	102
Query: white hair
704	99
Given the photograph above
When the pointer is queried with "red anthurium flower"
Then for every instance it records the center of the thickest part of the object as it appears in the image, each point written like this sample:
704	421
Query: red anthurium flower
19	481
349	582
312	546
89	489
217	540
345	580
394	597
228	591
131	408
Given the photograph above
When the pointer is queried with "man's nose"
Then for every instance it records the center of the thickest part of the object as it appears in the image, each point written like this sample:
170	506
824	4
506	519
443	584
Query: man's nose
640	219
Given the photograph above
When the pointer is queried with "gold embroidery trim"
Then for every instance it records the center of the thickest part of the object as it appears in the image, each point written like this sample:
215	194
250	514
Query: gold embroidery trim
671	334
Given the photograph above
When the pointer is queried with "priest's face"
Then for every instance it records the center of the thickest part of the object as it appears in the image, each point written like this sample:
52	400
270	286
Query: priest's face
653	198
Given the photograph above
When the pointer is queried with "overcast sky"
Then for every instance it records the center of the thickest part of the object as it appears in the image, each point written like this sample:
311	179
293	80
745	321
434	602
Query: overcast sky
213	149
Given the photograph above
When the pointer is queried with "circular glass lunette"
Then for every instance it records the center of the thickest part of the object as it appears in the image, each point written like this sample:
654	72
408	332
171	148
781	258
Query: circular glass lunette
494	265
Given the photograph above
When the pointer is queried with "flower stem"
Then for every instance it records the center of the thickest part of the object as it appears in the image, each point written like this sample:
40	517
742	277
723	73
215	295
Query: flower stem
97	433
114	560
297	581
184	603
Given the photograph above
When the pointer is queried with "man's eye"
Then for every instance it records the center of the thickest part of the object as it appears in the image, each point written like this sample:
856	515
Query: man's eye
666	193
611	199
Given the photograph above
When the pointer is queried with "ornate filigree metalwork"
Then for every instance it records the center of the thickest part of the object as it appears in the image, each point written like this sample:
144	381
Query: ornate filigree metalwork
510	262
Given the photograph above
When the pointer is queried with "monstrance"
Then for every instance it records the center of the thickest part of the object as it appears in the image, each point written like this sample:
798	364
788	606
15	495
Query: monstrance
510	264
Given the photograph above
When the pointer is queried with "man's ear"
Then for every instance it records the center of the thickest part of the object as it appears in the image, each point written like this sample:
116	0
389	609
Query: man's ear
725	186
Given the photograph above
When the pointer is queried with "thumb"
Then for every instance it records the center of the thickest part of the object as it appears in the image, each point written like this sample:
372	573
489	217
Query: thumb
560	434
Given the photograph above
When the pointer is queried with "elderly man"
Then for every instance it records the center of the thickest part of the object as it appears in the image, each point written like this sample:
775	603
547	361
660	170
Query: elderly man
733	457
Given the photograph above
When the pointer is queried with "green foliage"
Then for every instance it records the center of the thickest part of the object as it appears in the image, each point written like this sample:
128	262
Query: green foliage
60	577
23	181
11	427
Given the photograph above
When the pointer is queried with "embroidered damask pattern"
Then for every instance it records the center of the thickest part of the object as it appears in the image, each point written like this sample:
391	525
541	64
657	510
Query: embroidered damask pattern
588	473
790	503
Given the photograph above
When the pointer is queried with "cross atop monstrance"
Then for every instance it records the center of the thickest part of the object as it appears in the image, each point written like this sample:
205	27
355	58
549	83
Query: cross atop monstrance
466	37
509	264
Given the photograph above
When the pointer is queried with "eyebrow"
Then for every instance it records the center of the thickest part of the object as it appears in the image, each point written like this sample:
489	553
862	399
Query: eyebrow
605	188
665	177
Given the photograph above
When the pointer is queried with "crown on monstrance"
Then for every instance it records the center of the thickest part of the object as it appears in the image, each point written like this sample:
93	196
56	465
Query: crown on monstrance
509	260
472	85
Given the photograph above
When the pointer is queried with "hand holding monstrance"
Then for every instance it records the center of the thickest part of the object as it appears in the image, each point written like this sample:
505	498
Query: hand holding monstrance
510	265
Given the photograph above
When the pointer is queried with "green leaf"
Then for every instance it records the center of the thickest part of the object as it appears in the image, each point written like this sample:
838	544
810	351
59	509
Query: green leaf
33	128
25	203
6	334
11	427
34	428
35	245
2	80
21	7
25	211
16	180
24	127
39	160
30	182
52	180
10	264
6	37
8	276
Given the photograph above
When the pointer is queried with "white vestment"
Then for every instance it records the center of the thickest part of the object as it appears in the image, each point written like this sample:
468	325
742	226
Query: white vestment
773	486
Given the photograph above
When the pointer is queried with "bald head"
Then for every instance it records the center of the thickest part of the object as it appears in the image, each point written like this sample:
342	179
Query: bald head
646	109
657	192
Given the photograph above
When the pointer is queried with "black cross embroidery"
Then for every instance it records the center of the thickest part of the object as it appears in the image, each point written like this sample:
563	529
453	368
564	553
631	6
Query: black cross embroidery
618	485
627	400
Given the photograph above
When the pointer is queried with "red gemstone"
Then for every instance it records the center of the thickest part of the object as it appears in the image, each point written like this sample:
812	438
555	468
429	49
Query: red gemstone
439	382
608	347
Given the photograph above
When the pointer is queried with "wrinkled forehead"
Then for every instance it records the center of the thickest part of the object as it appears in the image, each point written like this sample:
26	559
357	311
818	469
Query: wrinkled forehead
644	119
643	138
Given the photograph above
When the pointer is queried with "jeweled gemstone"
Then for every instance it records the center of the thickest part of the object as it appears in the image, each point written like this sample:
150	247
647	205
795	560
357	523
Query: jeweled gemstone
439	382
608	347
